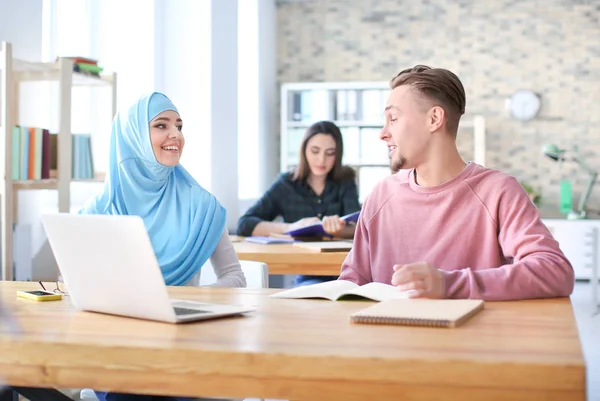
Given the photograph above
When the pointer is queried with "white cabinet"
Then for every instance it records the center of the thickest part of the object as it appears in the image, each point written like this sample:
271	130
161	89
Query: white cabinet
580	241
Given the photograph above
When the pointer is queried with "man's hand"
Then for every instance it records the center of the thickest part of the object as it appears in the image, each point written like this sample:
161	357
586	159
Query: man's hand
426	280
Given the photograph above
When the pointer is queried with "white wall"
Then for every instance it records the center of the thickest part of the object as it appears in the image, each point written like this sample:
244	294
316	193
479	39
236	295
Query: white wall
224	107
257	103
182	65
267	95
21	24
257	98
196	66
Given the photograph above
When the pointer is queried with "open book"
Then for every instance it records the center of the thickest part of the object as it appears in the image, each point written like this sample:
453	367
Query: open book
316	230
269	240
325	246
341	289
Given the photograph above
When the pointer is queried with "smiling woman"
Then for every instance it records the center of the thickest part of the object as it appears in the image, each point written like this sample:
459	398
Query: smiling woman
319	189
167	138
185	222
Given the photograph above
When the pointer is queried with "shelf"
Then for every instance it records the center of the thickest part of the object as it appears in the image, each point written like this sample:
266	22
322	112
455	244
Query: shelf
357	85
464	124
354	165
28	71
61	73
51	184
37	184
340	124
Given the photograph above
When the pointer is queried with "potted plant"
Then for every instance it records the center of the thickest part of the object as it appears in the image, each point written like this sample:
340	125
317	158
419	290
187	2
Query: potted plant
535	197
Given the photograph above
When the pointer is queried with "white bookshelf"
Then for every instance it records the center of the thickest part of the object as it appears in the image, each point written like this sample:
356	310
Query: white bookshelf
357	109
13	73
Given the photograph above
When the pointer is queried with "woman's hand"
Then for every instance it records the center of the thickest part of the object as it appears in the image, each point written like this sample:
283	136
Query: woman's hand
333	225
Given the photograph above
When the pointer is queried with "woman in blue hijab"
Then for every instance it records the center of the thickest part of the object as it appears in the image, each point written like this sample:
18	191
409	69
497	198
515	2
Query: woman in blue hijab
186	223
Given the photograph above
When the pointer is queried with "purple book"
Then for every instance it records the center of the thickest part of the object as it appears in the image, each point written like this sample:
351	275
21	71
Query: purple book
316	230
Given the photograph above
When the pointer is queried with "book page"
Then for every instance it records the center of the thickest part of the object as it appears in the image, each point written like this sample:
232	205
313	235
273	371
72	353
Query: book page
329	290
325	246
378	292
269	240
352	217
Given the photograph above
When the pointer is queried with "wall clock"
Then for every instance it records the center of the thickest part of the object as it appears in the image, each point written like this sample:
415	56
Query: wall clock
524	105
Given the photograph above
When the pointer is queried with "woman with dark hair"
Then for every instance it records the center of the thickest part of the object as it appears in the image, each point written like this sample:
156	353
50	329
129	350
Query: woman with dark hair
318	189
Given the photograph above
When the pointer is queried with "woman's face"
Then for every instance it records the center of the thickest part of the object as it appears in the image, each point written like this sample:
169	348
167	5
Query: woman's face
320	154
167	138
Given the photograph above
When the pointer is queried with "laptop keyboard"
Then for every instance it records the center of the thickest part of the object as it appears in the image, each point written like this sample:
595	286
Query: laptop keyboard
187	311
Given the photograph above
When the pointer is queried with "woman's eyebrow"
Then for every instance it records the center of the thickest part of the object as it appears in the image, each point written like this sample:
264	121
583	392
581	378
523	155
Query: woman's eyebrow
167	119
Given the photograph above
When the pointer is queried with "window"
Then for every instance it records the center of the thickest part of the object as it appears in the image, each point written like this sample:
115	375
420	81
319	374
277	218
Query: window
248	101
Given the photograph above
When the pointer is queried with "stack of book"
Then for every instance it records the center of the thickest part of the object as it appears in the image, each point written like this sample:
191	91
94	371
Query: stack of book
34	154
86	65
31	153
83	163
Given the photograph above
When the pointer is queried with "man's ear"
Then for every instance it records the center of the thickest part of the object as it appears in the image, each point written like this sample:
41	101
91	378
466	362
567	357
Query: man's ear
437	115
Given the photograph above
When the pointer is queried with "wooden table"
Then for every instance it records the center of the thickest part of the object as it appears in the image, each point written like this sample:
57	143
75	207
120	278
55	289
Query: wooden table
299	350
289	259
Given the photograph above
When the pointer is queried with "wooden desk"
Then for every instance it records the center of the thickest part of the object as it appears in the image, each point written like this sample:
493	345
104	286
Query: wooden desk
298	350
289	259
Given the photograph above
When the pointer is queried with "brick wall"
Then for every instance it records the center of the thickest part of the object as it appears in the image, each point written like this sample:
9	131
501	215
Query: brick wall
495	46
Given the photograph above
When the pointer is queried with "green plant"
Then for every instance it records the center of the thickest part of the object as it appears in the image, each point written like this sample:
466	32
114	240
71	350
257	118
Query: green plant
534	195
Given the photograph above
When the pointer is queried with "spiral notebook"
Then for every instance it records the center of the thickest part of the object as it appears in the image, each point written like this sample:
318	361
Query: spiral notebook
419	312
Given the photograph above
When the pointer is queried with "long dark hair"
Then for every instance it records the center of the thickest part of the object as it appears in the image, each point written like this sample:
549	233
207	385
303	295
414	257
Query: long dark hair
338	172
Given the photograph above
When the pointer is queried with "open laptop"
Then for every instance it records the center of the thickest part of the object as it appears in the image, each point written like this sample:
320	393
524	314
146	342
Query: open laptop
109	266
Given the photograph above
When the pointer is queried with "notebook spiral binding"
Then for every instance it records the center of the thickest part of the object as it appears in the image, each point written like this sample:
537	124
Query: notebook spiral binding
394	320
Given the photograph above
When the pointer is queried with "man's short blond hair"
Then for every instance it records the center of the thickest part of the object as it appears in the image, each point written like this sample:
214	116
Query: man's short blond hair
438	86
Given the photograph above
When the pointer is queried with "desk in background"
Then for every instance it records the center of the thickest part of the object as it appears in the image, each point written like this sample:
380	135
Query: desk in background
289	259
298	350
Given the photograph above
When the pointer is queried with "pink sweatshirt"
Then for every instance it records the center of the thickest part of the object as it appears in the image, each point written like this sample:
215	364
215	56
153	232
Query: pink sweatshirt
480	229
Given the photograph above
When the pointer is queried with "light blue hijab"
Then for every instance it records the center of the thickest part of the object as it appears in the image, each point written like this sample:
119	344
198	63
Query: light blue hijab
184	221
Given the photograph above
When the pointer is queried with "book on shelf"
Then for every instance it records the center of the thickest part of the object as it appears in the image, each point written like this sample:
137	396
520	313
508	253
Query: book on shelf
83	164
84	65
80	59
346	105
88	69
338	290
30	153
35	154
310	106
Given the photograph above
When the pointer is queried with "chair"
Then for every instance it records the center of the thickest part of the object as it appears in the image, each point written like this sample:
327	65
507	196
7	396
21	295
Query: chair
257	276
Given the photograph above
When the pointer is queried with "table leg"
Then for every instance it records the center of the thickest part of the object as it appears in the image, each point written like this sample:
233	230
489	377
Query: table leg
594	280
36	394
7	394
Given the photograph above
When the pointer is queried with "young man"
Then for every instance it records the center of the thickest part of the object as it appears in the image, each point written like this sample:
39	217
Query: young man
443	227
